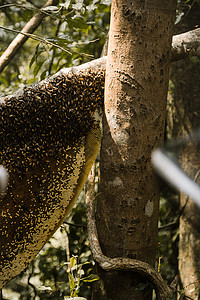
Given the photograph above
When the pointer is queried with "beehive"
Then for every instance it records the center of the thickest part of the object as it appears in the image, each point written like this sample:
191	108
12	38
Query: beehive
50	136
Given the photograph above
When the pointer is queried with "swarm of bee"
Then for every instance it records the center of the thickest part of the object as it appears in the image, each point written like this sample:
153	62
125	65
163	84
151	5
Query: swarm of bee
49	139
48	117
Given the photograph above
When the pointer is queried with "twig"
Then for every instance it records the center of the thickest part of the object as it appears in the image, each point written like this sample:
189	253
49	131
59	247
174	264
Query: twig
75	225
181	213
29	278
37	38
54	49
183	45
189	7
168	225
34	9
121	264
43	40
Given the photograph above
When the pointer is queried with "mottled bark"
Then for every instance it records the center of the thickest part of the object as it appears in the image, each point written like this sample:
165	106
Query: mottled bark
135	99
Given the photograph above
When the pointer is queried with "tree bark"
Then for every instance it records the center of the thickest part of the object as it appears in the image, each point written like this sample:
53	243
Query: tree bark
135	100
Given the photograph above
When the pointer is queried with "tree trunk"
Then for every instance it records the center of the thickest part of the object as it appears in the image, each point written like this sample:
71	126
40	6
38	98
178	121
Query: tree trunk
135	100
186	115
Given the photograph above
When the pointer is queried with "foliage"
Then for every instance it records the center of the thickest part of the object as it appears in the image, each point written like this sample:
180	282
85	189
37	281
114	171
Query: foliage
73	32
168	240
75	275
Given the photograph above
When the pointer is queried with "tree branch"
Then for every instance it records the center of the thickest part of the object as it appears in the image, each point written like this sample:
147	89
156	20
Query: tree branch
21	38
121	264
92	66
181	47
36	38
45	41
186	44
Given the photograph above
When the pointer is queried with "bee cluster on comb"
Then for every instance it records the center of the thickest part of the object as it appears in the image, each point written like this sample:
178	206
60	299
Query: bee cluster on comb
48	117
50	137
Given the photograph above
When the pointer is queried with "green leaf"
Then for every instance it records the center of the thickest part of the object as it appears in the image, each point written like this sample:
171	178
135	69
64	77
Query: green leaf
43	75
51	9
36	55
91	278
194	59
38	67
72	261
72	283
33	59
76	23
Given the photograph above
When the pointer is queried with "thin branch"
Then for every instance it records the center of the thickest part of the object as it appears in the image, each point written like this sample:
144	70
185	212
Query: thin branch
21	38
29	278
34	9
40	10
186	7
74	225
45	41
54	49
181	212
168	225
36	38
121	264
